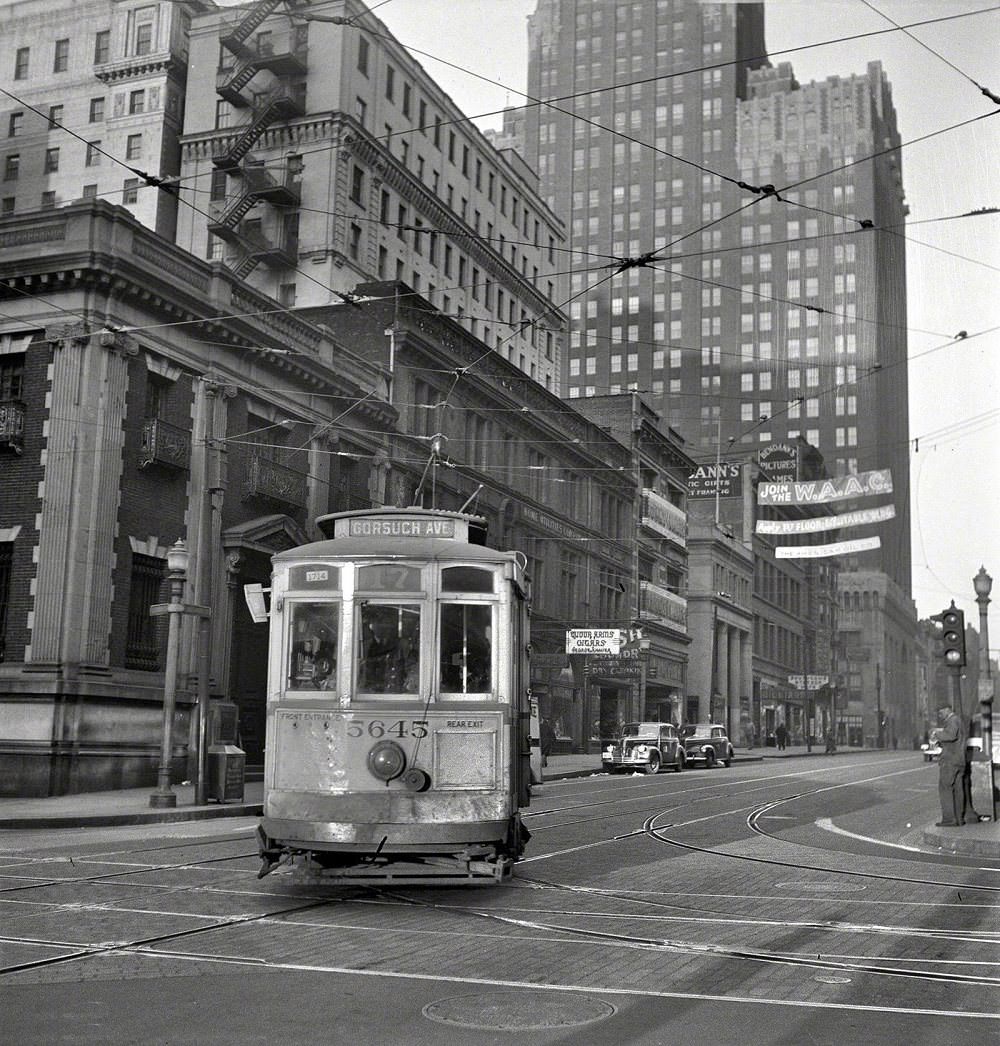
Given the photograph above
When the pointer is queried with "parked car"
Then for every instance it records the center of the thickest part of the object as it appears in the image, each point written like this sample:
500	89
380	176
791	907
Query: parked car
646	747
706	743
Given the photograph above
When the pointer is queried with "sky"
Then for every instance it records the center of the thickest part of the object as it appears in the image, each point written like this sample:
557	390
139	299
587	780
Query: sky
954	385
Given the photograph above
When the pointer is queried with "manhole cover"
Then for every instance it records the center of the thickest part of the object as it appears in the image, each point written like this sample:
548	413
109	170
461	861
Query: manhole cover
518	1011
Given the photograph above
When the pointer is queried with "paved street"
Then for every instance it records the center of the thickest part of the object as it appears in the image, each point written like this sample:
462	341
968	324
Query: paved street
782	901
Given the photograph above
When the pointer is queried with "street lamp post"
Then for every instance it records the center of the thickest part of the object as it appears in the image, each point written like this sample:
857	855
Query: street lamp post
983	584
177	565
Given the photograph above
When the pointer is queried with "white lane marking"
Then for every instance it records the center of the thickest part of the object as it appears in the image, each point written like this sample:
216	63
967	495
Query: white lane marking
148	952
828	826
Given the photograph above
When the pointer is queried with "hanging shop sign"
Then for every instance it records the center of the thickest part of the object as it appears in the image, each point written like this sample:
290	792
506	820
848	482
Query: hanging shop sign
820	491
779	462
808	682
815	524
594	640
726	476
839	548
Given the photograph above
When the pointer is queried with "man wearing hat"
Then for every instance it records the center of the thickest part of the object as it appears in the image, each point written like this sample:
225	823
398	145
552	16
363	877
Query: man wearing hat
950	735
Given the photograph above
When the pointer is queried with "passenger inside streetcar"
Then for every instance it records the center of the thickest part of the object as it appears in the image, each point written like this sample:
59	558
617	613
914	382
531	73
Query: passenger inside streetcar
390	649
314	646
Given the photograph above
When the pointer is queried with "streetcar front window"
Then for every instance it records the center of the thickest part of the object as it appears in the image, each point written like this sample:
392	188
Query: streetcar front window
389	648
466	648
313	648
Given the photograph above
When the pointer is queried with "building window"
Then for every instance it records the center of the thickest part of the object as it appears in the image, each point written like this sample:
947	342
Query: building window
142	646
361	110
286	294
102	46
48	199
96	110
133	147
223	113
137	101
61	61
130	190
15	125
390	83
90	191
7	205
354	246
358	185
11	167
218	186
144	30
363	51
55	116
21	59
94	153
51	160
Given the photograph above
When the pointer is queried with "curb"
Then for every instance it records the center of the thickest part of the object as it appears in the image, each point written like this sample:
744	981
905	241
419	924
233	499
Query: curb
118	820
966	846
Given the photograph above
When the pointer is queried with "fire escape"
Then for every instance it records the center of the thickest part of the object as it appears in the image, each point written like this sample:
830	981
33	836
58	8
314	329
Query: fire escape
280	53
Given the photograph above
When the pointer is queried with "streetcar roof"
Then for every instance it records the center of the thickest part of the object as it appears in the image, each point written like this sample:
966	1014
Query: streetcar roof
395	548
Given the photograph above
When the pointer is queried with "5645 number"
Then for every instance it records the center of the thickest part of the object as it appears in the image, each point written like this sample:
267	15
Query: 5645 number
379	728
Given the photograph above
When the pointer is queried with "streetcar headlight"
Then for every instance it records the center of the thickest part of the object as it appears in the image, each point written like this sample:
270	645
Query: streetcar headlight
386	760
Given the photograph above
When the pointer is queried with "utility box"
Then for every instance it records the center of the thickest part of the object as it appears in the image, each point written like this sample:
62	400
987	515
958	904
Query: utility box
226	773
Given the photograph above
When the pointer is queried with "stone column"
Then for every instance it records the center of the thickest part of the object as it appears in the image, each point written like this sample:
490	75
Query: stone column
735	682
722	665
79	497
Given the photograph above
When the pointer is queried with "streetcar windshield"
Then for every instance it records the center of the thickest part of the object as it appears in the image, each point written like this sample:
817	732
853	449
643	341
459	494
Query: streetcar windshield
389	648
315	634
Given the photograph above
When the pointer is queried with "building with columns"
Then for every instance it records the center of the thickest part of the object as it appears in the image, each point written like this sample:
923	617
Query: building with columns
147	396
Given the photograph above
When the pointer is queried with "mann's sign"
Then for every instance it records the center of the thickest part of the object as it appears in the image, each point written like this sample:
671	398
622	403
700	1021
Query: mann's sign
726	477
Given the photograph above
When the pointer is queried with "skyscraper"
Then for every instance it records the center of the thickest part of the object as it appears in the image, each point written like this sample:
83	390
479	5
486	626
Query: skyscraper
746	315
736	255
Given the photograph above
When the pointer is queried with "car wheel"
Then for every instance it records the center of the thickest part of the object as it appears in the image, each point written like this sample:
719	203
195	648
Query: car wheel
710	759
654	763
679	765
728	761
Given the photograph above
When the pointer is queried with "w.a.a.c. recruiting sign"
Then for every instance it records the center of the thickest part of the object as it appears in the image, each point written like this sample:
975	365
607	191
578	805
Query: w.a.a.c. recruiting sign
724	478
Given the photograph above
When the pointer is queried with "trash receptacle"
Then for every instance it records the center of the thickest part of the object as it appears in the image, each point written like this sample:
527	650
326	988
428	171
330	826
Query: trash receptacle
226	773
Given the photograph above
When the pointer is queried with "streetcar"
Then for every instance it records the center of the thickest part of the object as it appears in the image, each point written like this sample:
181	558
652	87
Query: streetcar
399	716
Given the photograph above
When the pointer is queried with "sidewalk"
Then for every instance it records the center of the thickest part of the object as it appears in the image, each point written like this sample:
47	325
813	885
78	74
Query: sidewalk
131	806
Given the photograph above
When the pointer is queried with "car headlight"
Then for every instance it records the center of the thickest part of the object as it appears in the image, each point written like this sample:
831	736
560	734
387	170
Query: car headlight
642	750
609	750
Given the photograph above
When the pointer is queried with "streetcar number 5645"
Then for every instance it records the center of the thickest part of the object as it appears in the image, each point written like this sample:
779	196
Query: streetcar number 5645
379	728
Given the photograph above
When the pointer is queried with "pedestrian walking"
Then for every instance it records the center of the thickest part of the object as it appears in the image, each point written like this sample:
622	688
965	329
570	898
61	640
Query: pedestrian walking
950	735
548	740
781	735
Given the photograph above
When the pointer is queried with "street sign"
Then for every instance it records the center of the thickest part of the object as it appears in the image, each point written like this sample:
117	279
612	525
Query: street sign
594	640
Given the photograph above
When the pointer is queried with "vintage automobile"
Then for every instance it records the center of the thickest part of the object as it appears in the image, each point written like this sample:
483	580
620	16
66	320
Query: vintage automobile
646	747
706	743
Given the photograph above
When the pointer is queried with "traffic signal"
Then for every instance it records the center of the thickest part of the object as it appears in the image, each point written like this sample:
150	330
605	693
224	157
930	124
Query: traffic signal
950	626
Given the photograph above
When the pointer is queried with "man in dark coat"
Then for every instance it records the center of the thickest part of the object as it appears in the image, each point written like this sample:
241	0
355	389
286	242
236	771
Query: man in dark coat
950	735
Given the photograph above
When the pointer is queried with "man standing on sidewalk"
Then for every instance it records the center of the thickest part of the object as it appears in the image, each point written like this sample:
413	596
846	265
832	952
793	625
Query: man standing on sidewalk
950	736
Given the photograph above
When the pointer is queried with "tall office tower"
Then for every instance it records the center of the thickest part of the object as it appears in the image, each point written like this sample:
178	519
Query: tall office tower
822	335
91	83
758	319
323	156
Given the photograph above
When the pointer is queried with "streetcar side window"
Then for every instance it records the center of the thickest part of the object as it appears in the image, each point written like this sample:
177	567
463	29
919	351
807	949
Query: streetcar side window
389	648
466	579
466	656
315	628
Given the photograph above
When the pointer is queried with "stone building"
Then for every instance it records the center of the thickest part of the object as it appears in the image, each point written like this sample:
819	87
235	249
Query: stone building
327	156
148	396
